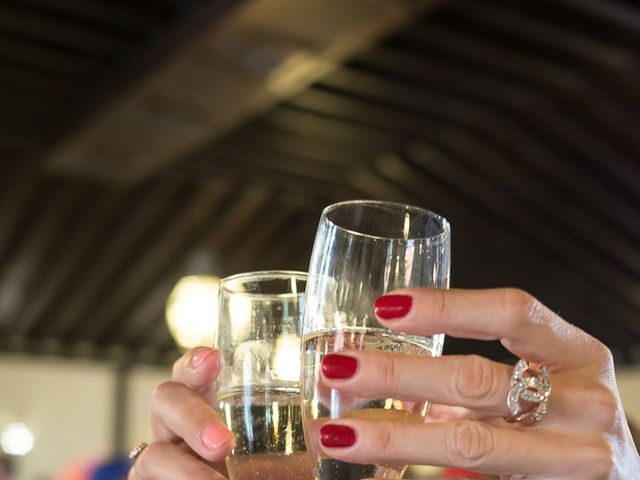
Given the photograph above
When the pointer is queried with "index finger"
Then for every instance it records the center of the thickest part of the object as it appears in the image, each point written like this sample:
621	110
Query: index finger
523	325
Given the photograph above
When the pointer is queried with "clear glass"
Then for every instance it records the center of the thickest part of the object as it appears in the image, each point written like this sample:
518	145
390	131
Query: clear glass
362	250
259	386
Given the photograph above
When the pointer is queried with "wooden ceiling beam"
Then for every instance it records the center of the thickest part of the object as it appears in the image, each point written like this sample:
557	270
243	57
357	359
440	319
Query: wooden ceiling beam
14	199
129	17
50	59
57	283
153	264
147	207
56	32
570	88
503	245
18	271
415	122
214	234
498	122
262	53
413	125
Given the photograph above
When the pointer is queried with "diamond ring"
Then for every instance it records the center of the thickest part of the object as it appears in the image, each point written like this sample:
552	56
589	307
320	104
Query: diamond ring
529	393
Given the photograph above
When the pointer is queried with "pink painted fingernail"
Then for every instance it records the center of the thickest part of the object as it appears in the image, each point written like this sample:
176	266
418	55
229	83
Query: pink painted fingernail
199	355
215	436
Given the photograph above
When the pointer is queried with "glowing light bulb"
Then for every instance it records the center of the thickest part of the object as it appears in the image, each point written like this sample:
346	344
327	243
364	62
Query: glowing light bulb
192	311
16	439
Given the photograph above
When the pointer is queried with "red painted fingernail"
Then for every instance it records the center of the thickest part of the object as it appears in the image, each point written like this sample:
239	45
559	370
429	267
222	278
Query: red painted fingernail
214	436
336	366
390	307
198	356
337	436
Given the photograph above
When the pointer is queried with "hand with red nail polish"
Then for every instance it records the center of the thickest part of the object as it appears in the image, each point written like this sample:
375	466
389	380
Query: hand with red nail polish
189	437
581	435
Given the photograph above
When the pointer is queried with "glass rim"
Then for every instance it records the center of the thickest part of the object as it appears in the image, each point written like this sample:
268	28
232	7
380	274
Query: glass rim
433	239
264	275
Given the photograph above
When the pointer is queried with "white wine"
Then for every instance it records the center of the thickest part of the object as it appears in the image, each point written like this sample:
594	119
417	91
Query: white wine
322	403
267	426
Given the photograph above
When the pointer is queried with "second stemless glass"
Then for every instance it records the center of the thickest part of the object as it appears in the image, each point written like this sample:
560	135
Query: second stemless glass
362	250
259	386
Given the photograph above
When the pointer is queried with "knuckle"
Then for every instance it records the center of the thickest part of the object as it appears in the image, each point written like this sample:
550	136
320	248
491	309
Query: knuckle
470	444
605	403
162	390
439	305
385	441
145	462
602	457
196	412
475	380
522	306
160	395
605	355
390	371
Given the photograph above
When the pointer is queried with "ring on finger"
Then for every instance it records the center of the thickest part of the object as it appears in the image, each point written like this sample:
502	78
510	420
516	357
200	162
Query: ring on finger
529	394
135	452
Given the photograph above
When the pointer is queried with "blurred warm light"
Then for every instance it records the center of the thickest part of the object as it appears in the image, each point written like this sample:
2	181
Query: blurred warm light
286	361
16	439
192	311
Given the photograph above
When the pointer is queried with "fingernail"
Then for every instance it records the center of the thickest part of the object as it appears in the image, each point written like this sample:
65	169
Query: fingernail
390	307
214	436
199	355
337	436
336	366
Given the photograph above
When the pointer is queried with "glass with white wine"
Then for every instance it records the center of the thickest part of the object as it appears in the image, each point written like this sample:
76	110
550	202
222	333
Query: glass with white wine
364	249
259	386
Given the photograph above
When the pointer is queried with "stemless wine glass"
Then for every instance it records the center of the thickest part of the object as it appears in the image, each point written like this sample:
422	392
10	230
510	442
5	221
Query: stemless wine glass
362	250
259	386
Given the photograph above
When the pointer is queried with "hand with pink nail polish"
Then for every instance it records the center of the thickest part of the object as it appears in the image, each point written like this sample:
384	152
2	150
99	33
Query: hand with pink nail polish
189	437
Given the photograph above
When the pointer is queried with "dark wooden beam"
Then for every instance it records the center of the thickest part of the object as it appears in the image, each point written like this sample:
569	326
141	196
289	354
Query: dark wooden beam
54	31
153	263
147	208
489	247
71	260
50	59
244	256
29	252
231	71
122	17
568	86
22	181
573	216
215	236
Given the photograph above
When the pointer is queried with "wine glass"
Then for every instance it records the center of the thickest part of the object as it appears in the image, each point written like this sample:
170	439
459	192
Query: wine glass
362	250
259	385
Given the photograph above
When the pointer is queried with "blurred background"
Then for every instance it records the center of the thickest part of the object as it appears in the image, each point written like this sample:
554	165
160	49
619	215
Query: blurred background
142	142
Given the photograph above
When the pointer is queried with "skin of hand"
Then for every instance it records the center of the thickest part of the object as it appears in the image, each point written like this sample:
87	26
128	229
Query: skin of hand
584	435
189	437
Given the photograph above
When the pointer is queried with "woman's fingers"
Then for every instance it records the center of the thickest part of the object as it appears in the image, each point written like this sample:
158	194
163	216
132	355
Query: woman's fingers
472	382
167	461
181	413
466	381
523	325
476	446
198	369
